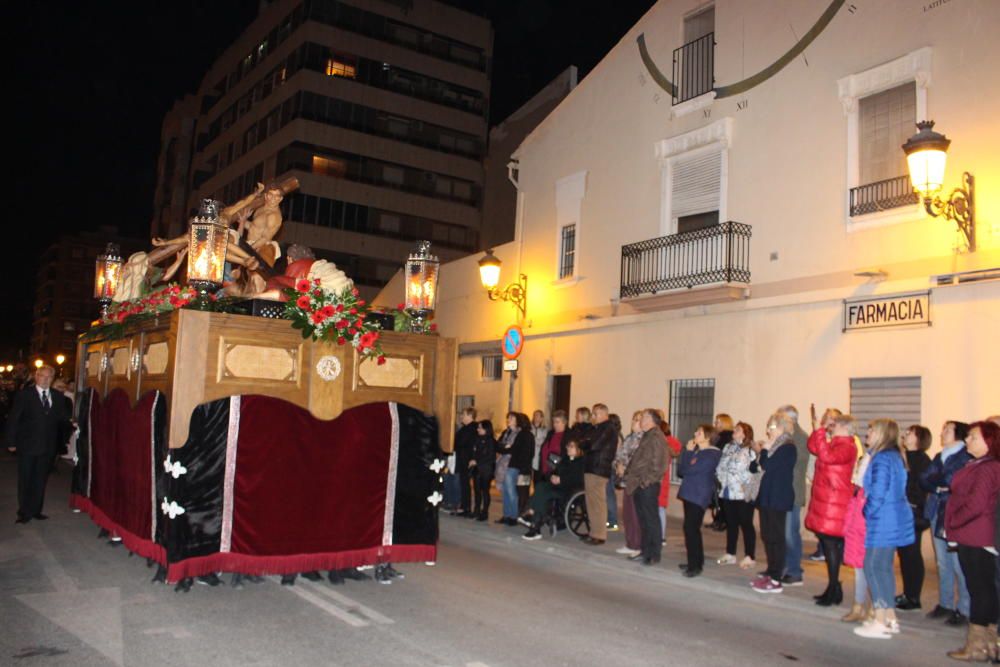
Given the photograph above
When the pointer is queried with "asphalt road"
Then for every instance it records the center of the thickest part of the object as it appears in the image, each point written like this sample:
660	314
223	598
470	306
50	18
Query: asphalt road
68	598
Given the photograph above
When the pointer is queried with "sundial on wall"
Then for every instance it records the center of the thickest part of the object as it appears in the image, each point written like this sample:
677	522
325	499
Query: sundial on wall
739	87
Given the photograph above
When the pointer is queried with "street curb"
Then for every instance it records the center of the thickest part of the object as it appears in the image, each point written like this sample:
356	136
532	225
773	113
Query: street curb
660	574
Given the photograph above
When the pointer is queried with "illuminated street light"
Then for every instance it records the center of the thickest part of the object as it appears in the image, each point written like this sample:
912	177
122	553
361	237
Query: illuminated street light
39	363
489	275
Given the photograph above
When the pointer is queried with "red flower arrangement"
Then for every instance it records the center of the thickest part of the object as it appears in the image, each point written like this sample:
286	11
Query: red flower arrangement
338	318
167	298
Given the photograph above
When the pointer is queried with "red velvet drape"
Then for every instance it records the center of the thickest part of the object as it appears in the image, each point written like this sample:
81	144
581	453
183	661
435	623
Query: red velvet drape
307	486
121	489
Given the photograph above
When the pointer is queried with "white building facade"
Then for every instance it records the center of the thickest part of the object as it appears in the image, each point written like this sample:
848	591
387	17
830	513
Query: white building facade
718	219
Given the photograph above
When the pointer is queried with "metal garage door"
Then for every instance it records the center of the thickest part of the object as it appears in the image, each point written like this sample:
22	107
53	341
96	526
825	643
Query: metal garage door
893	397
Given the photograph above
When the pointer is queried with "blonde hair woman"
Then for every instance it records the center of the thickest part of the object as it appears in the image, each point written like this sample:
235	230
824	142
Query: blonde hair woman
888	524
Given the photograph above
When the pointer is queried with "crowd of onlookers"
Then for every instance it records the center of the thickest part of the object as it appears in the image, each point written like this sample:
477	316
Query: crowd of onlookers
869	492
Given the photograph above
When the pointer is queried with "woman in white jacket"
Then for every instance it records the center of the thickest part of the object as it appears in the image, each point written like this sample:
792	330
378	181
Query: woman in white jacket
735	479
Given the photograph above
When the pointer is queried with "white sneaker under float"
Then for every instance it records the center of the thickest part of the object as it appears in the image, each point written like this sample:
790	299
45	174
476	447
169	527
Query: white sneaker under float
726	559
875	630
625	551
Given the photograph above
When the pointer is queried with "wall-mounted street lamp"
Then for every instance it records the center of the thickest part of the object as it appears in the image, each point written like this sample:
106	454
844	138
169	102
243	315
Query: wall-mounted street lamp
926	155
489	274
421	285
107	273
206	252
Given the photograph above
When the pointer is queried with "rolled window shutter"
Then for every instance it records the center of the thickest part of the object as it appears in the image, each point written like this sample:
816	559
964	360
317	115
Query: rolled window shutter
695	184
897	398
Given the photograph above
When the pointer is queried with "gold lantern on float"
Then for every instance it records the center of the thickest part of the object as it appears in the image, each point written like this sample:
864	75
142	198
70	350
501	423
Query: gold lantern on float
207	252
421	285
107	273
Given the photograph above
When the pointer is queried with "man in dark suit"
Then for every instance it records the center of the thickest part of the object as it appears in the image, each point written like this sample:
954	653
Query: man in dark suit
37	421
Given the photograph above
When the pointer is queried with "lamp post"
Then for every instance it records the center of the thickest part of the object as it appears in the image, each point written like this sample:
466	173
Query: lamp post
60	360
107	272
206	252
421	285
39	363
489	274
926	155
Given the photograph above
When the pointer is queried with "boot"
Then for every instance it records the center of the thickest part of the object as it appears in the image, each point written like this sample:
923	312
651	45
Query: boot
857	614
834	595
824	594
976	647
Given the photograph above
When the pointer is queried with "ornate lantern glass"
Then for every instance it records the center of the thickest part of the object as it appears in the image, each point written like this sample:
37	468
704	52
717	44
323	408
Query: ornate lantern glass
207	248
421	284
107	272
489	270
926	155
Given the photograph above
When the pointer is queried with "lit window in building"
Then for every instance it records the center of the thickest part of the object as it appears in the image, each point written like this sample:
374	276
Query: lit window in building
328	166
336	67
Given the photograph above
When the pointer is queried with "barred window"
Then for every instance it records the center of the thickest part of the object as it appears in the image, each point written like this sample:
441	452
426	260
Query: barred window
567	251
492	368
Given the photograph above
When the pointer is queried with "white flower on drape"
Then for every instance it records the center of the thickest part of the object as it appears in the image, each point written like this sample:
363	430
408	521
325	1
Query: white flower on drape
171	508
438	465
435	498
175	470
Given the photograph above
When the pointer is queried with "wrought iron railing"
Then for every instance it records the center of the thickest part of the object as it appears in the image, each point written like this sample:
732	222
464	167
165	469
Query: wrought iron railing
882	195
716	254
694	68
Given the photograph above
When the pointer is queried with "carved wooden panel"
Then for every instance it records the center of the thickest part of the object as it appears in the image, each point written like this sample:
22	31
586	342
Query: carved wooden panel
120	361
245	361
402	372
94	359
156	359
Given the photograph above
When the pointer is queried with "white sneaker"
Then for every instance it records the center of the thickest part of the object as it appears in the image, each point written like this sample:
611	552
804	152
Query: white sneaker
726	559
873	630
892	627
747	563
625	551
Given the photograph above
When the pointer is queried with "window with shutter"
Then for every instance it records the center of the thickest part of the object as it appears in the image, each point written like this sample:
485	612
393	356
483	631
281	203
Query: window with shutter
895	398
886	121
695	190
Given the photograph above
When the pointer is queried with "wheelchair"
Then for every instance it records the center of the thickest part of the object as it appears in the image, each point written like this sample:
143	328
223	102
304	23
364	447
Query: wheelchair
572	515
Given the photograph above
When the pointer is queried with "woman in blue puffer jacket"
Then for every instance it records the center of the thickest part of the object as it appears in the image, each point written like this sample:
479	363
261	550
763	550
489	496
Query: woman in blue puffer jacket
888	523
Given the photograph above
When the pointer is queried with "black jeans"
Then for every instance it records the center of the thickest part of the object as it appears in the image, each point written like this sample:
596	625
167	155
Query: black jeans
481	483
693	516
739	516
465	501
911	566
979	568
833	549
646	502
772	532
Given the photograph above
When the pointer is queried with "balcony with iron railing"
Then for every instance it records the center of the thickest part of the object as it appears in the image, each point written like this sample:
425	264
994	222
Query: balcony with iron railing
882	196
706	265
694	68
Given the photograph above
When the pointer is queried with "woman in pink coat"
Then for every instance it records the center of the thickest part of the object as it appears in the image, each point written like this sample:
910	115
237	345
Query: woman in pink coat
854	543
836	455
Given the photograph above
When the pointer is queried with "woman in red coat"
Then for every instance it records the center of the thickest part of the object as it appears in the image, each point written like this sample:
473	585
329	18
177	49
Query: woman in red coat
970	521
836	454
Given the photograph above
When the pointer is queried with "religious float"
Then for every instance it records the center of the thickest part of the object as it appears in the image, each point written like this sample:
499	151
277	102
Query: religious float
225	432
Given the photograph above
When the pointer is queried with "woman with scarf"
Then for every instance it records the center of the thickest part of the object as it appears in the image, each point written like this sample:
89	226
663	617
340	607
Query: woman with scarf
776	496
734	476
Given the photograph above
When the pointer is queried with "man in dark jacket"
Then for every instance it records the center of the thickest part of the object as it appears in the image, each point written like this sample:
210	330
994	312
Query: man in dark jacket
36	425
598	459
465	442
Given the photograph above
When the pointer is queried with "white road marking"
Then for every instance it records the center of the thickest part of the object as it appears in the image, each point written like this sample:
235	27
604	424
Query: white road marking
348	604
336	612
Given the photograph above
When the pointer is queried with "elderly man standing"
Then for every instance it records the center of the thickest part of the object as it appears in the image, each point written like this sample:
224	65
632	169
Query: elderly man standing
37	421
599	456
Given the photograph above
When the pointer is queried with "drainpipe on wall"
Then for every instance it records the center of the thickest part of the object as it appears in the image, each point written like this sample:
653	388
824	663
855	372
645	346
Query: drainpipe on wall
512	169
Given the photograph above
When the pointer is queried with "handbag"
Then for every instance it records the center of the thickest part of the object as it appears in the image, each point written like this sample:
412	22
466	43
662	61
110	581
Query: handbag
752	487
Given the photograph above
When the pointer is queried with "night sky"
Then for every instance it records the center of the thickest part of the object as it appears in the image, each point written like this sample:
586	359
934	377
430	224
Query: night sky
93	80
